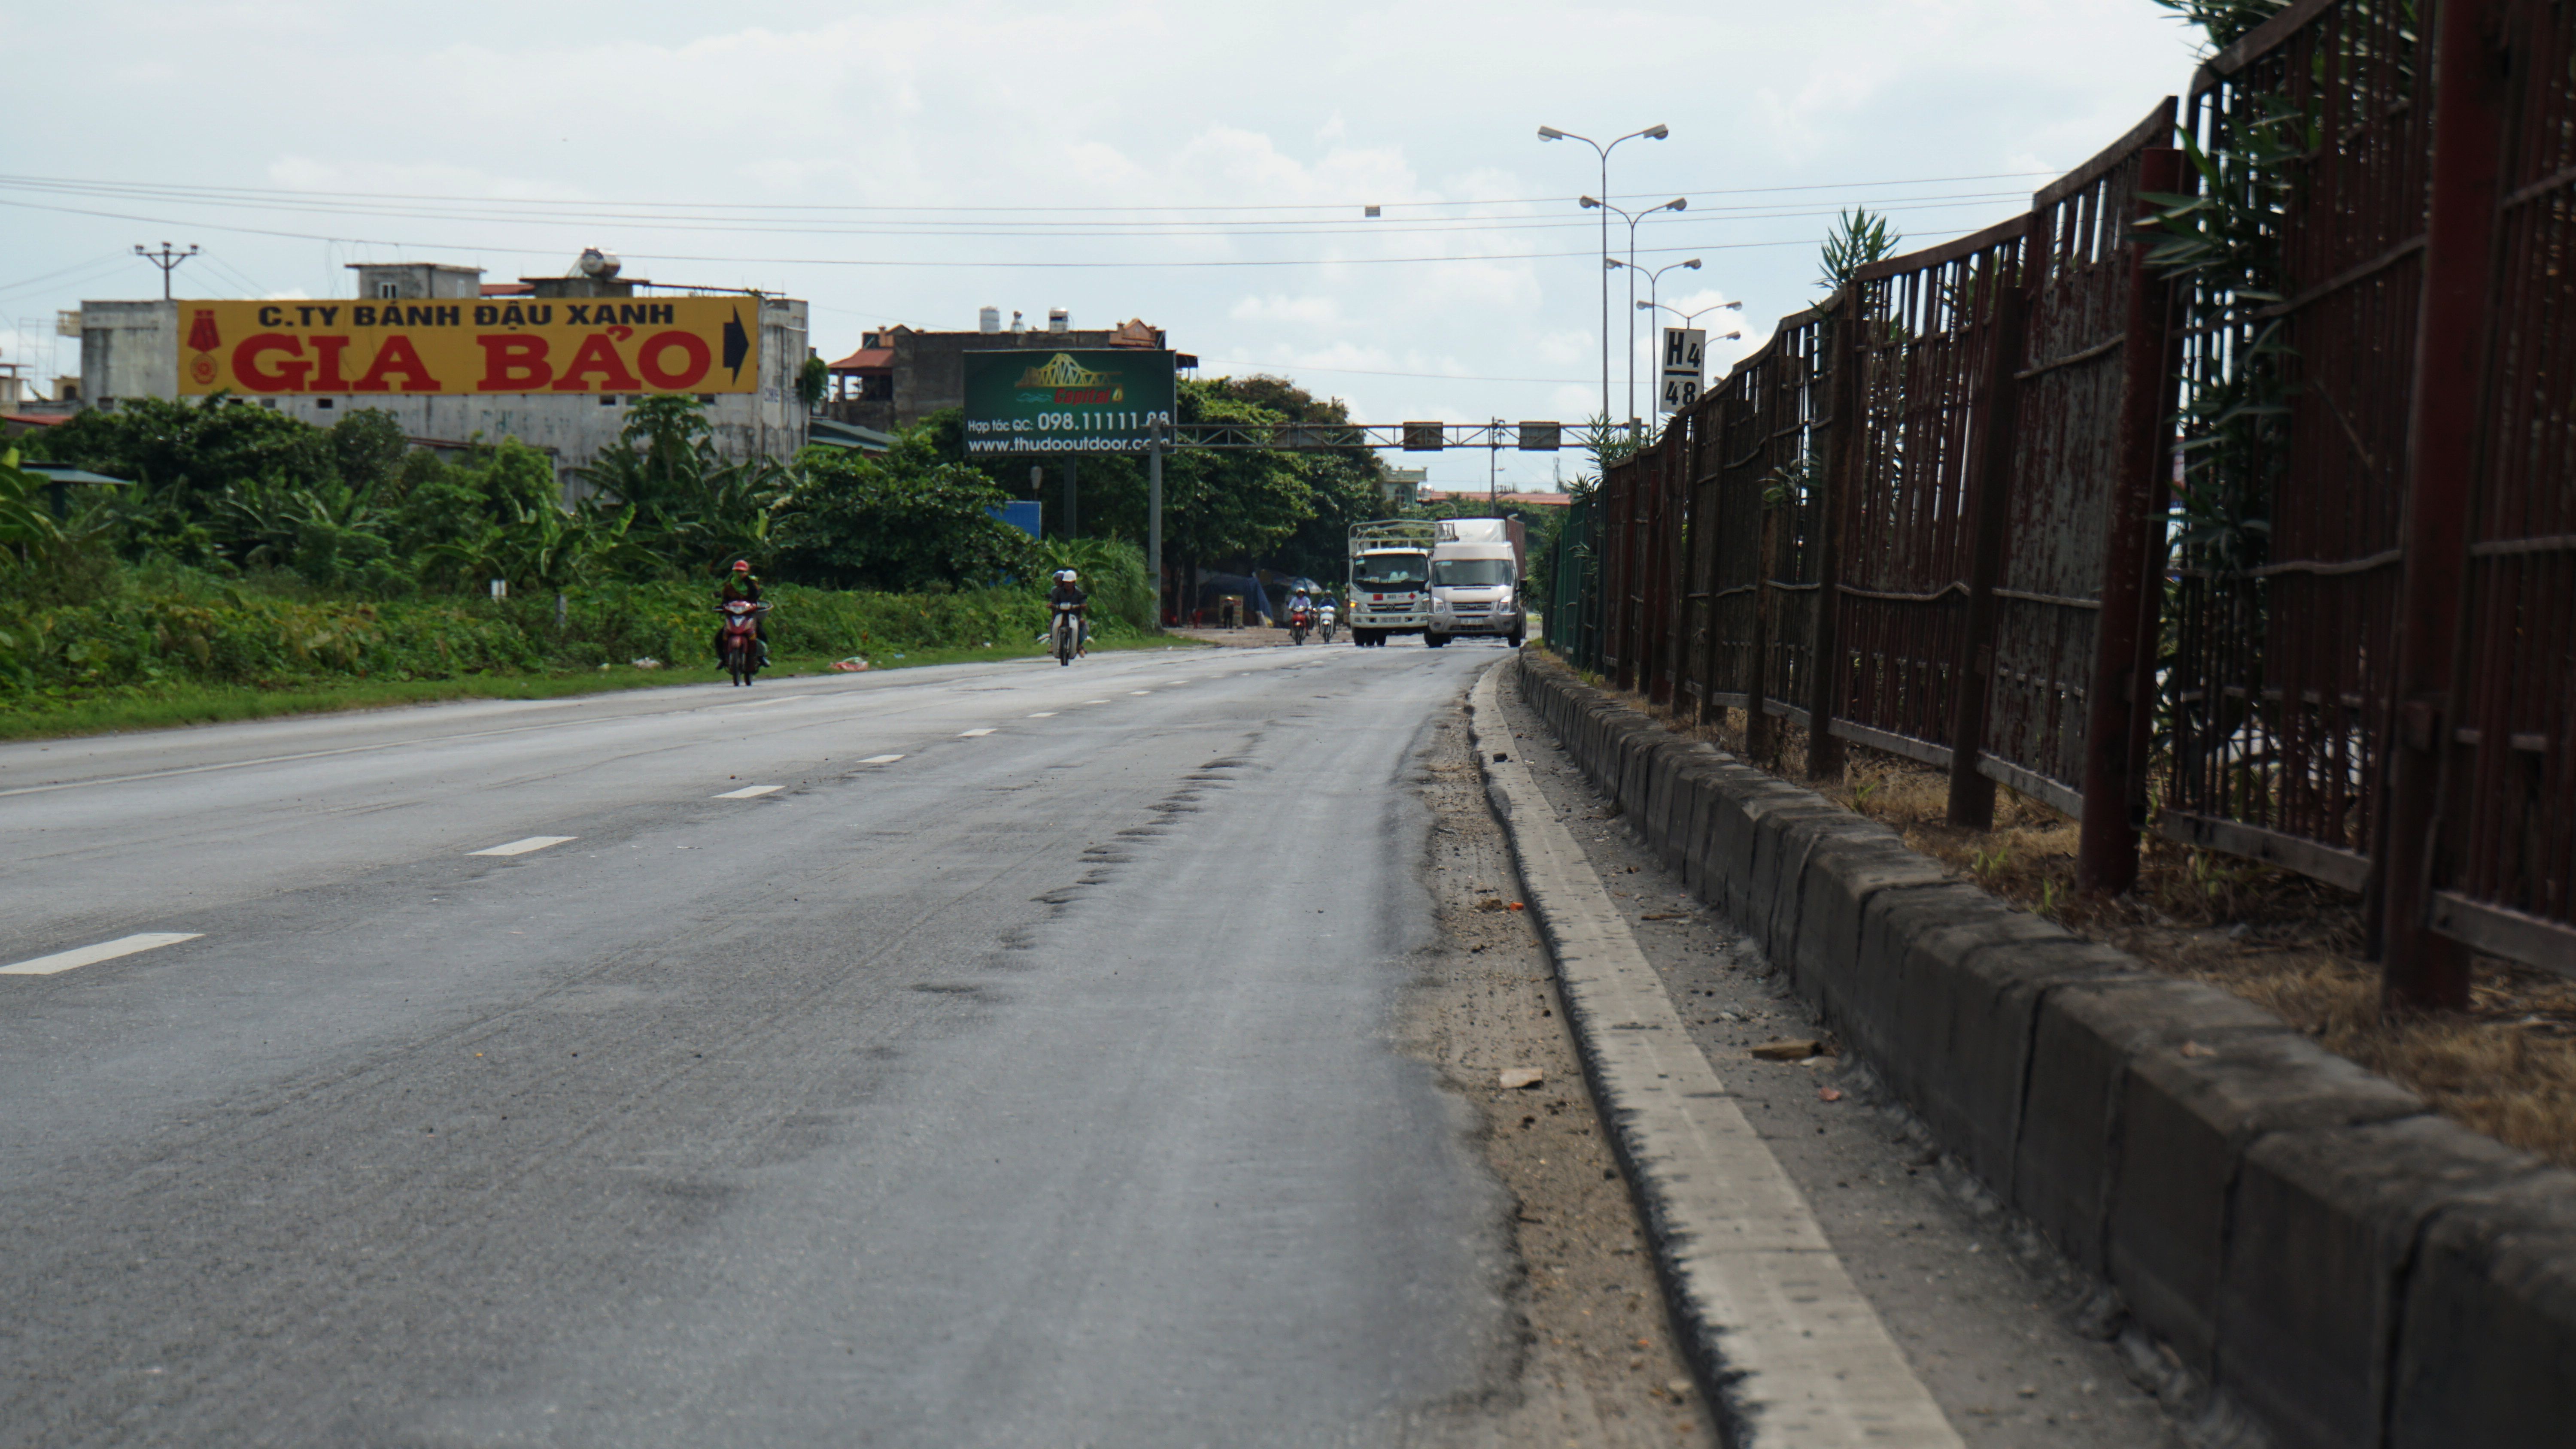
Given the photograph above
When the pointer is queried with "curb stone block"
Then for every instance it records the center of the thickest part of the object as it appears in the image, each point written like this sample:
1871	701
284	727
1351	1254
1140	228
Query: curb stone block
1657	821
2325	1221
1596	748
1731	856
1699	787
1844	873
1618	755
2185	1123
1972	1094
1694	788
2080	1047
2489	1326
1949	1023
1633	745
1664	762
1890	922
1781	840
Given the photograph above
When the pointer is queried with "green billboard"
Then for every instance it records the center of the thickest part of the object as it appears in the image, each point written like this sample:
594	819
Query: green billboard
1077	400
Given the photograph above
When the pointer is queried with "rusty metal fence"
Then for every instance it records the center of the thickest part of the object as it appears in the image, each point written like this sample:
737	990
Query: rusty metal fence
2293	508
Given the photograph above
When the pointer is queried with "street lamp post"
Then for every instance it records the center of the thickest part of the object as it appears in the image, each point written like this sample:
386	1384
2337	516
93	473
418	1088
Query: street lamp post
1651	133
1678	203
1655	284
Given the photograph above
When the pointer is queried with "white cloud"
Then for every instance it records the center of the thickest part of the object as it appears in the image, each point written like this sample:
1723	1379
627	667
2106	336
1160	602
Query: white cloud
1106	120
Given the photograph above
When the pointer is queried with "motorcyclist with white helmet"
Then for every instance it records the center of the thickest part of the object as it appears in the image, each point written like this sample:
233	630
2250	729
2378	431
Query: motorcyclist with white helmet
1068	590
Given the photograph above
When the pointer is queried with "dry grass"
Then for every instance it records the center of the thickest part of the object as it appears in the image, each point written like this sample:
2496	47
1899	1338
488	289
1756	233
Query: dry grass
2506	1066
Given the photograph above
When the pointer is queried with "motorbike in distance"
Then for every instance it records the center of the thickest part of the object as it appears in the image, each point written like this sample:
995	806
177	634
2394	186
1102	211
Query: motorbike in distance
739	640
1299	620
1324	621
1064	633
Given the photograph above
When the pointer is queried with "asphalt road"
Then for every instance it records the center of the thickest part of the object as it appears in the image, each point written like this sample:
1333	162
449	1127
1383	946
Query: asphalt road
1033	1087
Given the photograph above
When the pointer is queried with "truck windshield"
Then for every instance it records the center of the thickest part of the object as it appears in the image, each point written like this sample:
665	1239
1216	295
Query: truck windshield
1472	573
1390	571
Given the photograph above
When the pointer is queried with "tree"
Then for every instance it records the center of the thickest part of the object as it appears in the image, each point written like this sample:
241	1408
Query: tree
907	522
1857	240
691	509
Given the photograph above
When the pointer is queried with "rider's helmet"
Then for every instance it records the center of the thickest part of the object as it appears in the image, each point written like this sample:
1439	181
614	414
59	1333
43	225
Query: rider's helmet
1066	576
742	566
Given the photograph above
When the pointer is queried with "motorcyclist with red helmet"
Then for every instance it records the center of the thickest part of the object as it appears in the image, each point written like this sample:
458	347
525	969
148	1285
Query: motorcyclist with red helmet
744	585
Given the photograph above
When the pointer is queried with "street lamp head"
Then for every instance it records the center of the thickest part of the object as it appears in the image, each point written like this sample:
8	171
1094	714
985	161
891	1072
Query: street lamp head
1646	306
1550	133
1589	203
1734	306
1656	133
1693	264
1678	203
1732	337
1612	263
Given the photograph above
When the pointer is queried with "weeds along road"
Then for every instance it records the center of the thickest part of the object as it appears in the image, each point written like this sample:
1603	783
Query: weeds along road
983	1055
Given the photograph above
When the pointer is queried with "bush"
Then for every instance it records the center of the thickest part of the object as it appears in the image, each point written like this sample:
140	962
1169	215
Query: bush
171	624
900	524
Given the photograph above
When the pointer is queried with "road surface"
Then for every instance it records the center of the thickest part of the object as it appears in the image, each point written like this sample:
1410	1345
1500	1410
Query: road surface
1013	1068
986	1055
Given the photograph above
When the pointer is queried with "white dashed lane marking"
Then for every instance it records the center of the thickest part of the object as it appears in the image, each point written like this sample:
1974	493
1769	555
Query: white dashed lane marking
103	951
972	734
1043	714
748	791
522	847
880	759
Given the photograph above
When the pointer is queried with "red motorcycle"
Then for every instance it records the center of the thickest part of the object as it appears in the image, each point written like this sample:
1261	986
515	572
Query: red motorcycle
738	641
1300	619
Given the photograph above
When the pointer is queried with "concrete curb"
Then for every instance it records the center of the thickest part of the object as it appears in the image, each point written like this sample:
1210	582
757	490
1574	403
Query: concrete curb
2302	1233
1786	1348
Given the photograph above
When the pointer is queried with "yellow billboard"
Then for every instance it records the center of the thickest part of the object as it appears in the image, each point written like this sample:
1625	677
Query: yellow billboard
463	346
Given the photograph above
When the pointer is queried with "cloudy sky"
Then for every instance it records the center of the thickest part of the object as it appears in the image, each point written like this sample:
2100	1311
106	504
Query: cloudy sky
1204	166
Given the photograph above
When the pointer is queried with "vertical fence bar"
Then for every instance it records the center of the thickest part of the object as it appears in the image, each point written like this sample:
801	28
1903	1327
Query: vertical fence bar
2423	970
2133	566
1663	545
1757	669
1972	791
1841	454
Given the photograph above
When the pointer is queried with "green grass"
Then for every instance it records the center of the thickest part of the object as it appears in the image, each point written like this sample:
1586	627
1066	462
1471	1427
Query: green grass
177	705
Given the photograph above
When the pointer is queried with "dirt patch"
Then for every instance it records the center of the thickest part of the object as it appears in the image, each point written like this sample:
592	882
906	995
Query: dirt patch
1598	1363
2506	1066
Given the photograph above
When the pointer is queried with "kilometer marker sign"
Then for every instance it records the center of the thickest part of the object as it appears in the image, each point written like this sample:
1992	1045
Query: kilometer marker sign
495	345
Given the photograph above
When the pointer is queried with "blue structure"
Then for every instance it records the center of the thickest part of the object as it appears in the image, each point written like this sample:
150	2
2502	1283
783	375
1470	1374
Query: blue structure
1023	515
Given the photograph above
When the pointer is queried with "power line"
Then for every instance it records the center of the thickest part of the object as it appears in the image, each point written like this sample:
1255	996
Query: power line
942	264
1181	228
153	188
1368	372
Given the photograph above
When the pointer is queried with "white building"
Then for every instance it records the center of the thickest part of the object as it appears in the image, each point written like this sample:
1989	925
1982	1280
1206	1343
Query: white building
131	350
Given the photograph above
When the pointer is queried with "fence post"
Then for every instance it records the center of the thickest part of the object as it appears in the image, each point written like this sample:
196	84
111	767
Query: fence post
2133	566
1841	349
2422	970
1620	644
1972	793
1660	537
1708	442
1757	669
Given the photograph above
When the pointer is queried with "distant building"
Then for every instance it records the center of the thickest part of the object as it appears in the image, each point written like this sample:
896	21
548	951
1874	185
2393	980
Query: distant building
131	350
1504	499
901	375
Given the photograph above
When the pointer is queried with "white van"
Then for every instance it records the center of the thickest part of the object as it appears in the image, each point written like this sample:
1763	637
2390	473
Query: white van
1476	581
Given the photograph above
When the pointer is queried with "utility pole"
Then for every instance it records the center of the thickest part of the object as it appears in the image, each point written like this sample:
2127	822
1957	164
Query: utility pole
1154	517
167	259
1070	464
